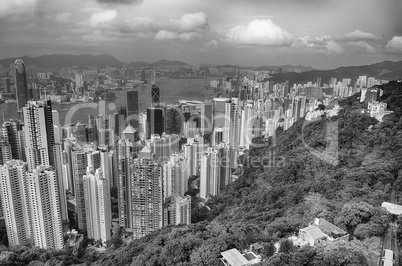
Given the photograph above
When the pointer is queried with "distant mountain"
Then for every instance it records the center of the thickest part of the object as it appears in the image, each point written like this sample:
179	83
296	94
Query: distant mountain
157	63
139	64
169	63
286	68
388	70
66	60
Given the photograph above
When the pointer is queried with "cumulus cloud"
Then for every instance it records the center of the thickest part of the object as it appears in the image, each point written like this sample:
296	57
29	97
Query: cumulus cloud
101	17
358	35
16	6
361	46
394	45
259	32
189	27
324	44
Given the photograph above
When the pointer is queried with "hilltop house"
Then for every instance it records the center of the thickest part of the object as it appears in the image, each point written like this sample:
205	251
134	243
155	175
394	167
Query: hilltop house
233	257
319	231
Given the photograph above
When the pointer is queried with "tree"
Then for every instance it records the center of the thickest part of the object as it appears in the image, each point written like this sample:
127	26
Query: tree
286	246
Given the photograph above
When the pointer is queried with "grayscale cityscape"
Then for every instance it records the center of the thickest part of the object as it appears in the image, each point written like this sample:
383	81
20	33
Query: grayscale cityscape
201	133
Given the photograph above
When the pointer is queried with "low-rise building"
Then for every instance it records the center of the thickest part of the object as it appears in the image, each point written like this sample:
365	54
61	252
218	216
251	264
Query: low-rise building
319	231
233	257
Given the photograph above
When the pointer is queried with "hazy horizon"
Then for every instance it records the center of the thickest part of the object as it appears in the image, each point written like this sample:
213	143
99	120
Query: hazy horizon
321	34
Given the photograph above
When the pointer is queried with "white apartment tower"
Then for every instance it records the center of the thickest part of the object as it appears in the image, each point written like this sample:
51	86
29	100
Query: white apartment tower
97	205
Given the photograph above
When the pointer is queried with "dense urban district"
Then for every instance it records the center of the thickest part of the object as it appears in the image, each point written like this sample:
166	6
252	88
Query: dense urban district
268	171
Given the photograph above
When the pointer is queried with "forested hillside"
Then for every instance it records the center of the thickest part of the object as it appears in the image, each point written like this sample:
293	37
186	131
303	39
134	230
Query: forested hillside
268	203
274	199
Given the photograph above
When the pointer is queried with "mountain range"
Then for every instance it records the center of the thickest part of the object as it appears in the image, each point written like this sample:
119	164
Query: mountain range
387	70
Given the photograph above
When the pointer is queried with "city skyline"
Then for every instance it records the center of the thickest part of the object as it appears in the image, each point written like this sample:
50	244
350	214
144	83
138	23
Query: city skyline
320	34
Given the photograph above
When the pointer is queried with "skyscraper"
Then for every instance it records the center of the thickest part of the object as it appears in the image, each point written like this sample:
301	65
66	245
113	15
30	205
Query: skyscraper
21	85
14	200
155	95
155	121
146	194
97	205
12	132
44	208
39	136
133	108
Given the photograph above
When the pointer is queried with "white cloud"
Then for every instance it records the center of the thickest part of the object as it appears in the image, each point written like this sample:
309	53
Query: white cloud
325	45
169	35
357	35
394	45
361	46
259	32
62	17
16	6
189	22
100	17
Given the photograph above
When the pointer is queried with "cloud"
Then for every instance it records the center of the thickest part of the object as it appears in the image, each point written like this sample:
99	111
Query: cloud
126	2
360	46
358	35
188	27
325	45
259	32
100	17
62	17
394	45
17	6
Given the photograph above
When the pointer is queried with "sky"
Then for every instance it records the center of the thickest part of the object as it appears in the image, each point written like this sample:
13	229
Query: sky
318	33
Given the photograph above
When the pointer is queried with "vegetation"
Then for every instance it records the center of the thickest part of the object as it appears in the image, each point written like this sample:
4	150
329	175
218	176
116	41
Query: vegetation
285	192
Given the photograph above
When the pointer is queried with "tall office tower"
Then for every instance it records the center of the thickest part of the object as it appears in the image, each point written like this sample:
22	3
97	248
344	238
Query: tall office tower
174	180
146	197
143	77
14	198
155	122
222	110
21	85
97	205
120	120
79	80
124	160
39	136
206	118
44	208
173	119
155	95
133	108
177	210
319	82
7	85
152	76
164	146
189	129
210	173
60	171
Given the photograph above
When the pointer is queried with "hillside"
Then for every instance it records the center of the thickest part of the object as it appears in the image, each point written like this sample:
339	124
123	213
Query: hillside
387	70
66	60
275	199
268	203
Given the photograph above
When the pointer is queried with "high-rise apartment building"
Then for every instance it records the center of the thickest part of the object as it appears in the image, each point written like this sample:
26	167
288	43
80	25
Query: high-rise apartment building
14	200
97	205
39	135
44	208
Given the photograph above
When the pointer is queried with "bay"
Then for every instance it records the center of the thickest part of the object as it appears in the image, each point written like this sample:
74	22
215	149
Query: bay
171	91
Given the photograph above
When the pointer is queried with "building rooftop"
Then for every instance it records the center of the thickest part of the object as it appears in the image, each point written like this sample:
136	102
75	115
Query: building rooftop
129	130
234	257
314	232
392	208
